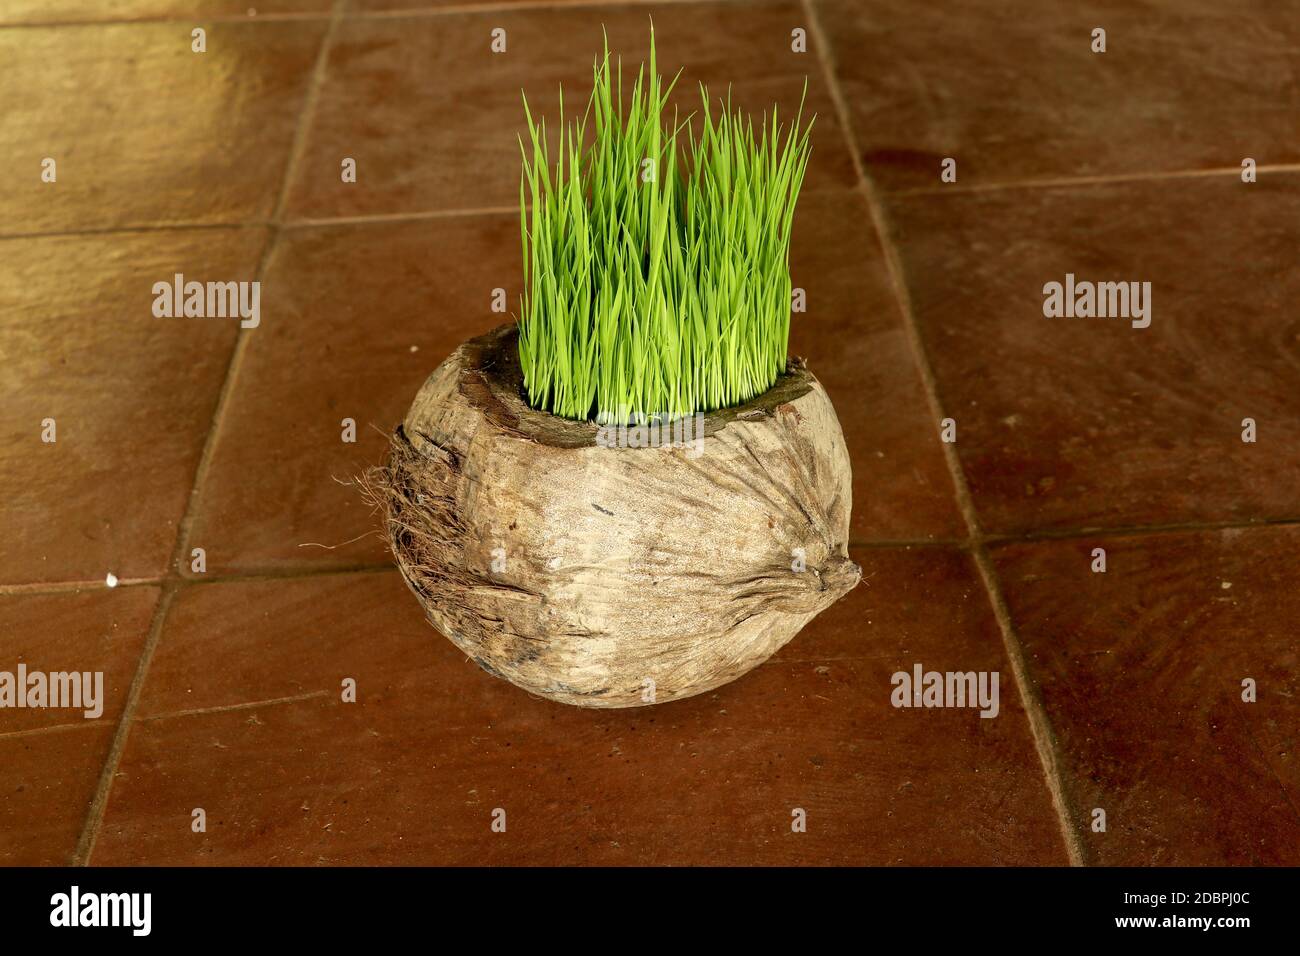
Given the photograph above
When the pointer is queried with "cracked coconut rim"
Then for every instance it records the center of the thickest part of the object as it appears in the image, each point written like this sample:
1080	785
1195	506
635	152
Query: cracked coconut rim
492	381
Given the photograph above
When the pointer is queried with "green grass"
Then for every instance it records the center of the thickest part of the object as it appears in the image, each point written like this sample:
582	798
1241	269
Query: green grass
656	298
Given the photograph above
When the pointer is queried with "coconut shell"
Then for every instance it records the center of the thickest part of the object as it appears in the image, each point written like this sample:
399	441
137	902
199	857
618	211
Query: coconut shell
615	576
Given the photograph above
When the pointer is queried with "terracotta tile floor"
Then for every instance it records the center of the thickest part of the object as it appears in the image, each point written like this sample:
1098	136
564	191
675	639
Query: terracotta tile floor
1121	692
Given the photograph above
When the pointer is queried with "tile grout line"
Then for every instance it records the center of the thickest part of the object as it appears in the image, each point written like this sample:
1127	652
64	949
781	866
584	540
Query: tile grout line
311	222
511	6
471	212
99	800
51	729
256	576
197	20
246	705
249	576
1135	531
990	539
174	581
1107	179
380	218
995	540
308	111
1268	765
1040	727
412	13
139	227
73	586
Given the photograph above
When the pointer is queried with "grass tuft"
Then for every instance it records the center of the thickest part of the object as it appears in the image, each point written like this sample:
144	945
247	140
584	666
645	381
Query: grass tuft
656	259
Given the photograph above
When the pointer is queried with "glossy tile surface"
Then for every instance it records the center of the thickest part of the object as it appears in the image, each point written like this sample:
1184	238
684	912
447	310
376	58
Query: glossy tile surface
46	783
355	319
141	129
97	632
432	116
924	301
85	11
1073	422
130	396
1142	671
1013	91
855	342
413	770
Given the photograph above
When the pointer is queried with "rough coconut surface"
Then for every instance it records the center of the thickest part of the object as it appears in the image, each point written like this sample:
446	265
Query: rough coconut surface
614	577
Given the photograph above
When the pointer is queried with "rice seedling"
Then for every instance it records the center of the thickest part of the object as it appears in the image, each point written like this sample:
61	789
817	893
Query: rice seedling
657	287
656	252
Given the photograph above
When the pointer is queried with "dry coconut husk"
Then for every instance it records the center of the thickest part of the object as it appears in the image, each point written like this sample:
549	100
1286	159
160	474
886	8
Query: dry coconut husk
614	576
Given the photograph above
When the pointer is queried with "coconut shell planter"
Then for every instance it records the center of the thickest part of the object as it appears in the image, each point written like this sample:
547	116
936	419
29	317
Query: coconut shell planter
632	495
